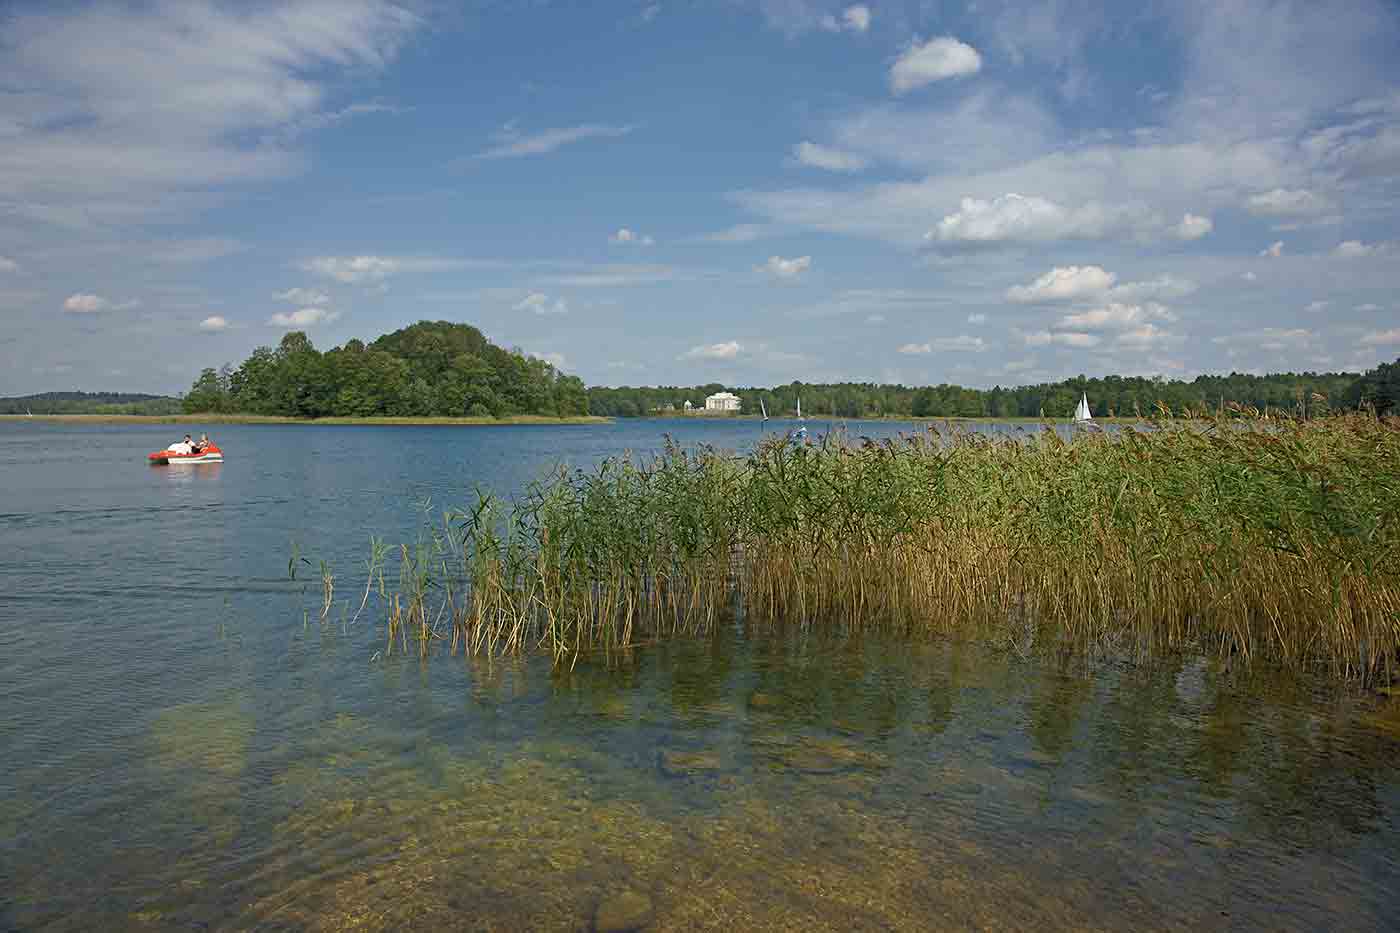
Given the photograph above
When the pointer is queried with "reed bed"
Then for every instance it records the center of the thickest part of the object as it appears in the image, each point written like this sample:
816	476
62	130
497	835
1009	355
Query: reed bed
1258	539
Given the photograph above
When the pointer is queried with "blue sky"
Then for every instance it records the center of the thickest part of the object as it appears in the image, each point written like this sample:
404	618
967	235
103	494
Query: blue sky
713	190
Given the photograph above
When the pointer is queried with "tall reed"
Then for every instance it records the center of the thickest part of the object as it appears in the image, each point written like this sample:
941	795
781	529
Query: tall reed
1275	540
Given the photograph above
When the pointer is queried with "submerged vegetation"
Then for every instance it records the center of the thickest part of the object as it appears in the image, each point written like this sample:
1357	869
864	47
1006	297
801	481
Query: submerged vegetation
1256	539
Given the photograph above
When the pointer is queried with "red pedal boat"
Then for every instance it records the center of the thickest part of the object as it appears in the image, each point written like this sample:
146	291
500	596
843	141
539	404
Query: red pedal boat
207	454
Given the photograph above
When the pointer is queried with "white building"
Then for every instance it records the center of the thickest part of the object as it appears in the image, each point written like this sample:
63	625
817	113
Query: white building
722	401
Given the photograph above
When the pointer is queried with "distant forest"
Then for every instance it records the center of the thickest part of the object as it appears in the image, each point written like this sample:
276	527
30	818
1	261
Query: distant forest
1124	396
452	370
431	369
91	403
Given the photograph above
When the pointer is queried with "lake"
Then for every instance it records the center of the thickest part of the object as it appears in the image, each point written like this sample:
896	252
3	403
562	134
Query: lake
185	746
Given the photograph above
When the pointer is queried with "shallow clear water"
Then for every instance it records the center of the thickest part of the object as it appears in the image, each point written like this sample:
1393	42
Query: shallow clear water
180	750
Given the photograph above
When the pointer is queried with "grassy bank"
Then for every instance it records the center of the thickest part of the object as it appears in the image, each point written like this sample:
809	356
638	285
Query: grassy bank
1277	541
273	419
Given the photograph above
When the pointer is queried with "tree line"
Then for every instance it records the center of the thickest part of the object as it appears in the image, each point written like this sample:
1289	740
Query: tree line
90	403
451	370
430	369
1124	396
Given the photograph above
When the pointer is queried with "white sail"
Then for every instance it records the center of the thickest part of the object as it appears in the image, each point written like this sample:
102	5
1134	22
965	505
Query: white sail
764	408
1082	413
799	408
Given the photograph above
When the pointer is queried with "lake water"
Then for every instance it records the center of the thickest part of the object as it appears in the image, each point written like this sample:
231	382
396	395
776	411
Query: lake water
183	749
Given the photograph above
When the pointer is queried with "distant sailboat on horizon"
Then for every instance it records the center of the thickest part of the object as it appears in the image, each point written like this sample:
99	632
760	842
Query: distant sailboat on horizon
801	432
1082	413
764	409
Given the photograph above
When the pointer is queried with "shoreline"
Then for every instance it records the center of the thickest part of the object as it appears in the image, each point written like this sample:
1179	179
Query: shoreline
542	420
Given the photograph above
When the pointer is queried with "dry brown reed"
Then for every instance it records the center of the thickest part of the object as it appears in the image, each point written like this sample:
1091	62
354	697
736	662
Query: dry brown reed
1276	540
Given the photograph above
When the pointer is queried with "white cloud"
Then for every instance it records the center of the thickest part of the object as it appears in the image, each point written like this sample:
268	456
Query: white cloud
1286	202
1382	338
125	110
1163	286
303	296
1193	227
625	236
1273	250
875	319
8	265
824	157
304	317
853	19
1315	307
539	303
85	304
511	144
1369	307
1355	249
354	270
935	60
213	324
1042	338
1143	336
714	351
781	268
962	342
977	319
1062	283
1018	218
1115	315
1249	277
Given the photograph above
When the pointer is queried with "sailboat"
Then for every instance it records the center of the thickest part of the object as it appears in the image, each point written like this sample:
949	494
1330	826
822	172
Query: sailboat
764	409
1082	413
801	432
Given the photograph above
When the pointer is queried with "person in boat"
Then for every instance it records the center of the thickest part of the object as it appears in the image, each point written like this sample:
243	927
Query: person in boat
203	443
182	447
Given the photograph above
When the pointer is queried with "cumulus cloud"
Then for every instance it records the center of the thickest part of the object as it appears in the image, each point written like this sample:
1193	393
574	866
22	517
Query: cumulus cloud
1368	307
977	319
1273	251
1315	307
832	160
853	19
789	269
1019	218
714	351
1142	337
1287	202
1355	249
1382	338
511	144
1192	227
936	60
1063	283
1040	338
1163	286
303	317
85	304
8	265
540	303
1115	315
1272	339
962	342
354	270
303	296
625	236
213	324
